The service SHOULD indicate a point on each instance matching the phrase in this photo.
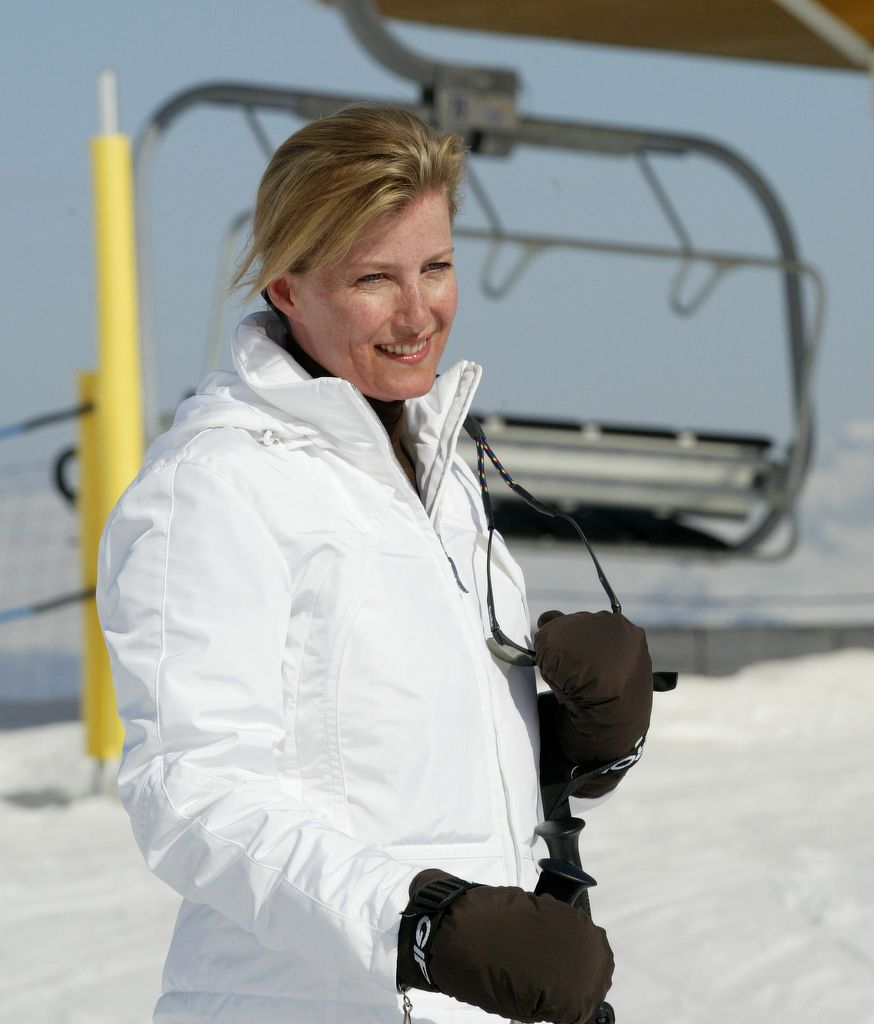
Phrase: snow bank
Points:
(734, 865)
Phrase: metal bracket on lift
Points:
(478, 103)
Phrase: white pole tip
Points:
(107, 101)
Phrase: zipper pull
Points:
(408, 1008)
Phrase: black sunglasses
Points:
(499, 643)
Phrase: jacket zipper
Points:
(396, 464)
(517, 864)
(517, 860)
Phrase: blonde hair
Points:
(328, 183)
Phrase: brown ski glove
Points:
(523, 957)
(598, 666)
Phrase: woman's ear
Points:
(280, 292)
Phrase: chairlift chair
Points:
(653, 488)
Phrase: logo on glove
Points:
(423, 933)
(628, 760)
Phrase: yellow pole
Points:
(117, 390)
(103, 730)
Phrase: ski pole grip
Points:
(562, 837)
(565, 882)
(563, 878)
(561, 874)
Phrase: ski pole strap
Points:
(619, 764)
(555, 768)
(560, 778)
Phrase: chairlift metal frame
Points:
(480, 103)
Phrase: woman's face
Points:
(380, 318)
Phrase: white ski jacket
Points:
(312, 715)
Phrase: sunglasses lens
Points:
(508, 654)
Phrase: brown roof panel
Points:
(858, 14)
(750, 29)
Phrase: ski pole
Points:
(562, 877)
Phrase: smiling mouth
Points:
(404, 350)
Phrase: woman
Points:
(322, 755)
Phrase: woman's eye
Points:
(437, 266)
(370, 278)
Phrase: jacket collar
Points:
(339, 411)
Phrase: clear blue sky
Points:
(581, 337)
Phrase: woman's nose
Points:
(412, 309)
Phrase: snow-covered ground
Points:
(734, 865)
